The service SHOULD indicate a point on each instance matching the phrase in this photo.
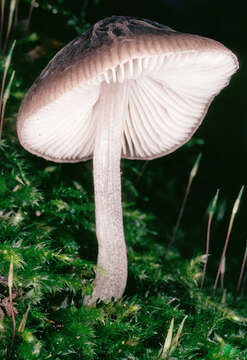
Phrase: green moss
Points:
(47, 225)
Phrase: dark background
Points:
(224, 130)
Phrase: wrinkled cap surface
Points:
(172, 78)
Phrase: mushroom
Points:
(129, 88)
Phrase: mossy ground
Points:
(47, 227)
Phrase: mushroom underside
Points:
(167, 99)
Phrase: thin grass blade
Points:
(234, 212)
(167, 345)
(12, 8)
(10, 286)
(241, 271)
(24, 320)
(193, 173)
(5, 99)
(176, 339)
(212, 208)
(2, 21)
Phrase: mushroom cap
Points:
(172, 78)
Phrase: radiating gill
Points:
(134, 67)
(120, 73)
(146, 62)
(107, 77)
(130, 66)
(130, 69)
(114, 75)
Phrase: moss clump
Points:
(47, 225)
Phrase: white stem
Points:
(111, 272)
